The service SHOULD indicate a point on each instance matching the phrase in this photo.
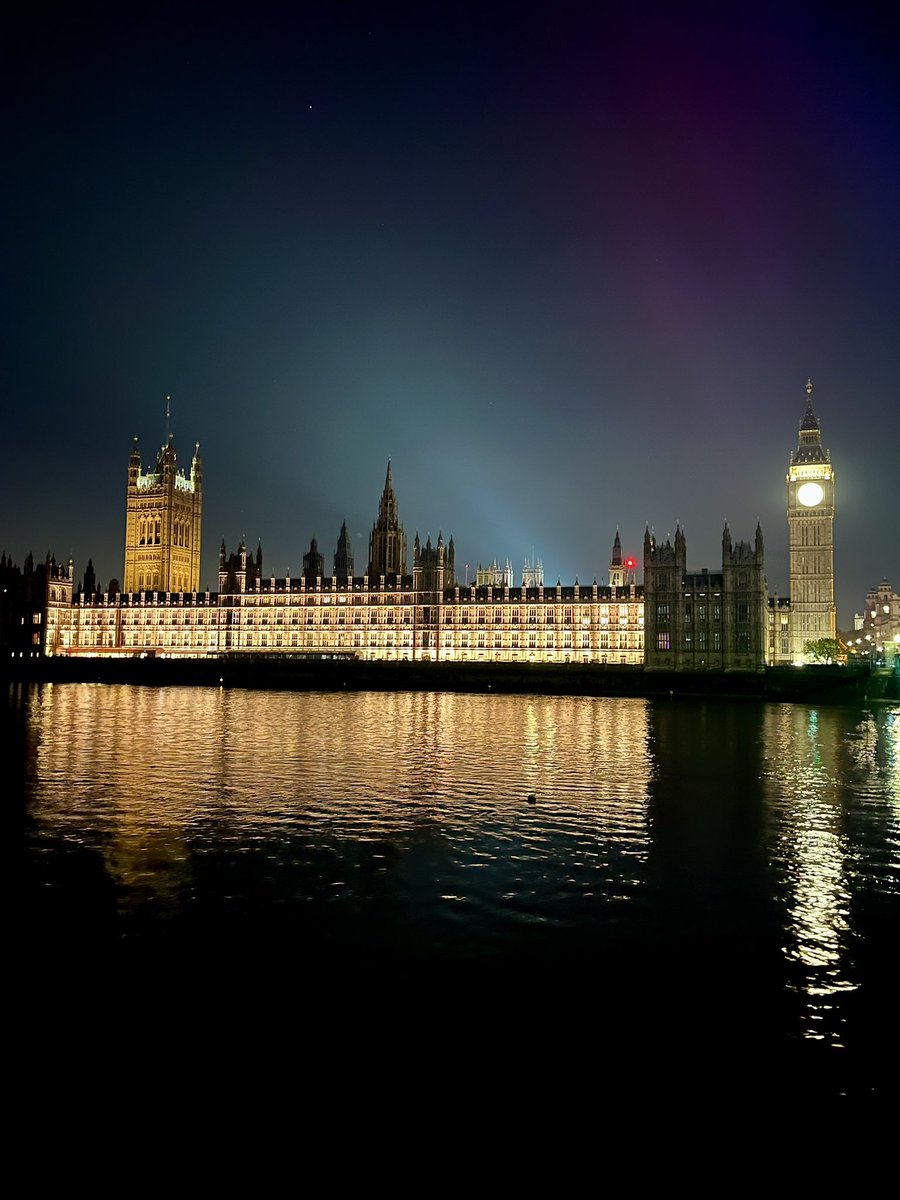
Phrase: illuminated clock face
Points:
(810, 494)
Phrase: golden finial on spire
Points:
(809, 387)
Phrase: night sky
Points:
(569, 267)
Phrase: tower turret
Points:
(343, 556)
(616, 568)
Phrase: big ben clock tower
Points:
(810, 514)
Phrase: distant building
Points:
(533, 573)
(494, 575)
(878, 625)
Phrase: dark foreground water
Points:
(627, 884)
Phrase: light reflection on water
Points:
(826, 777)
(735, 848)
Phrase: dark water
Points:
(616, 881)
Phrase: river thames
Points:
(715, 881)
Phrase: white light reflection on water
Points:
(828, 771)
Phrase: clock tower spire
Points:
(810, 514)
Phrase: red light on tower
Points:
(630, 563)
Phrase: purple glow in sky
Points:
(568, 266)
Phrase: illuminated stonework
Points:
(388, 621)
(717, 621)
(810, 514)
(162, 527)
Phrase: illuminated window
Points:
(662, 641)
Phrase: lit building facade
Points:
(385, 620)
(678, 620)
(164, 513)
(810, 516)
(877, 627)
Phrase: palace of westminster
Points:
(678, 619)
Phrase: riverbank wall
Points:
(814, 684)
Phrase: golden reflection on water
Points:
(150, 771)
(824, 769)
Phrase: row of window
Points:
(202, 637)
(698, 642)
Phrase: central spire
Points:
(387, 542)
(387, 508)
